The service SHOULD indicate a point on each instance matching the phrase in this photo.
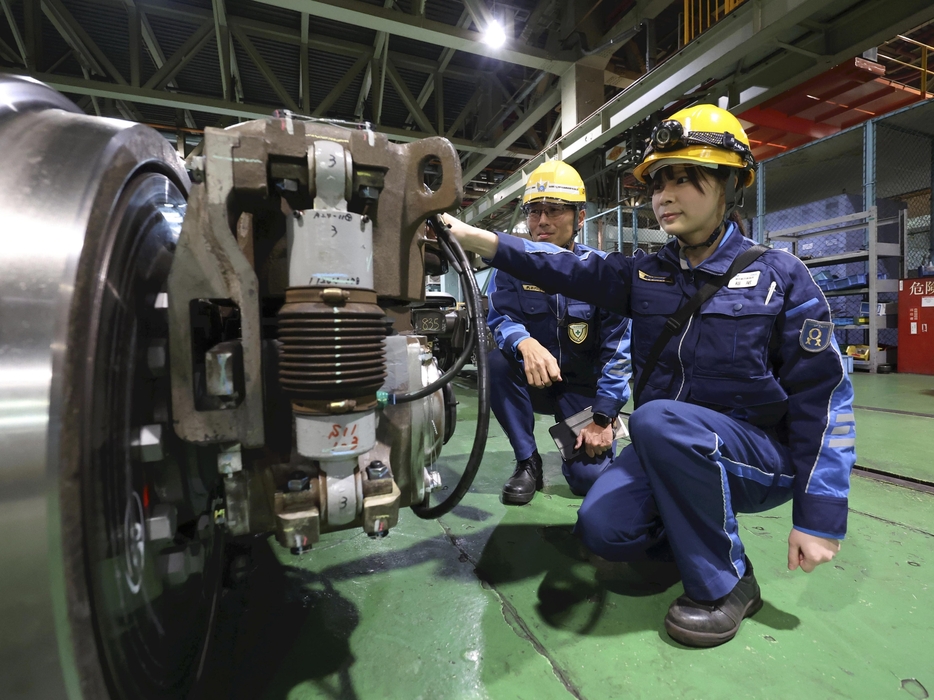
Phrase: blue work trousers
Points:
(680, 483)
(515, 404)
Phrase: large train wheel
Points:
(90, 211)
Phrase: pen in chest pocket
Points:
(768, 297)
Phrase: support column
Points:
(581, 95)
(869, 164)
(760, 203)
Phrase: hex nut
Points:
(377, 470)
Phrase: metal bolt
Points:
(298, 481)
(196, 169)
(156, 356)
(230, 459)
(377, 470)
(147, 445)
(161, 525)
(221, 365)
(432, 480)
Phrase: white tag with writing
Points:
(744, 279)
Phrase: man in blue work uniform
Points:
(556, 355)
(747, 406)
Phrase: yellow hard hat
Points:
(703, 135)
(557, 181)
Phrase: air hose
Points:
(477, 340)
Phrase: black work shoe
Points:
(524, 482)
(697, 623)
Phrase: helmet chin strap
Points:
(735, 198)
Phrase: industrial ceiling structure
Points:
(573, 79)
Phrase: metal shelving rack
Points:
(868, 221)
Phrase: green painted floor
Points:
(496, 602)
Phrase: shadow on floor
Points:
(267, 613)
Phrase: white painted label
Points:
(914, 328)
(927, 301)
(744, 280)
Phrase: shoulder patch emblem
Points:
(816, 335)
(646, 277)
(577, 332)
(532, 288)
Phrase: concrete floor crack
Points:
(513, 619)
(893, 522)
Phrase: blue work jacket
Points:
(591, 345)
(760, 350)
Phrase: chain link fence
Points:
(904, 145)
(624, 228)
(886, 163)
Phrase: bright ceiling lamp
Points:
(495, 35)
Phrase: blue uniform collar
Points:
(719, 262)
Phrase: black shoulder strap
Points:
(680, 317)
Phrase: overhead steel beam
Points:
(100, 89)
(479, 12)
(264, 68)
(342, 85)
(189, 13)
(545, 104)
(443, 61)
(7, 53)
(741, 33)
(868, 24)
(379, 44)
(465, 112)
(361, 14)
(222, 35)
(17, 37)
(304, 70)
(180, 58)
(79, 40)
(152, 46)
(408, 100)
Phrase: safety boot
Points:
(698, 623)
(524, 482)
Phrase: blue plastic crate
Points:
(850, 281)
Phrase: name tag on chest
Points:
(744, 279)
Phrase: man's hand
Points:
(595, 440)
(471, 238)
(541, 367)
(807, 551)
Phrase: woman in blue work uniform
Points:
(748, 405)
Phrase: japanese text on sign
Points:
(919, 288)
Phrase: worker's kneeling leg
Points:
(618, 519)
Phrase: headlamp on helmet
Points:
(667, 135)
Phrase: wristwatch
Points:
(602, 419)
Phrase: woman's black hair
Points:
(696, 174)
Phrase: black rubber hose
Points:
(479, 331)
(458, 260)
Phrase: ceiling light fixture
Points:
(495, 35)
